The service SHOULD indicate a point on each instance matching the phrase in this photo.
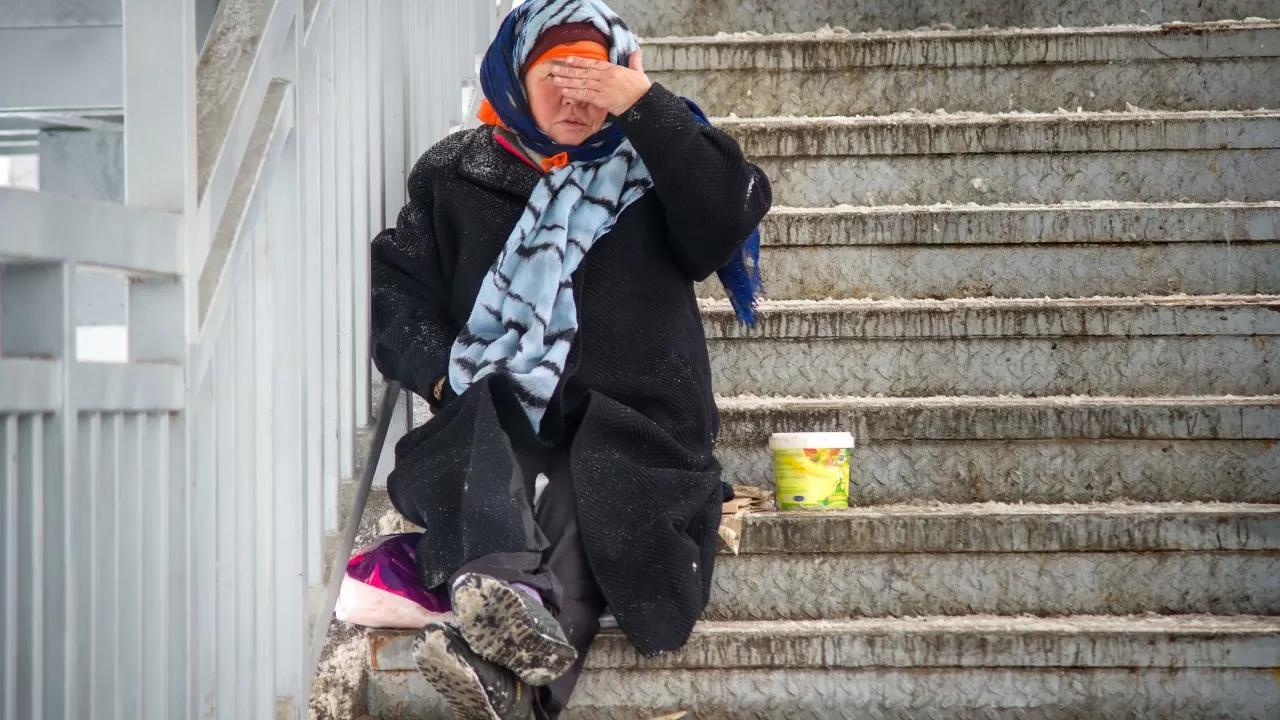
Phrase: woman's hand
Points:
(603, 84)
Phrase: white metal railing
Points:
(89, 462)
(167, 518)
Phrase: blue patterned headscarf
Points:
(504, 89)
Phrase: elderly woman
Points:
(538, 291)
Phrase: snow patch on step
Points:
(926, 508)
(828, 33)
(973, 117)
(708, 305)
(1073, 624)
(1072, 205)
(744, 403)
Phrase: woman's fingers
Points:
(564, 68)
(576, 82)
(612, 87)
(585, 63)
(566, 71)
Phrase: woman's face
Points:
(568, 122)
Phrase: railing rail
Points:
(170, 514)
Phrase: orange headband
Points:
(582, 48)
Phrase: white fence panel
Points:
(87, 469)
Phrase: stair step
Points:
(965, 641)
(1218, 66)
(994, 527)
(946, 666)
(935, 693)
(1094, 346)
(1187, 641)
(1046, 560)
(1017, 449)
(1020, 449)
(920, 159)
(1077, 250)
(660, 18)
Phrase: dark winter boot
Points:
(510, 627)
(474, 688)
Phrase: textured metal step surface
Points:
(1056, 449)
(883, 694)
(1219, 66)
(921, 348)
(1003, 559)
(922, 158)
(1003, 224)
(661, 18)
(817, 586)
(1171, 641)
(1005, 527)
(1112, 559)
(1078, 250)
(1073, 647)
(1015, 449)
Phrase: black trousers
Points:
(560, 572)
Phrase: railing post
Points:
(160, 150)
(159, 103)
(37, 457)
(395, 125)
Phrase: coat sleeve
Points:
(712, 196)
(412, 329)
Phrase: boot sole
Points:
(495, 623)
(451, 675)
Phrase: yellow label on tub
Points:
(812, 478)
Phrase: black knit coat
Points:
(635, 405)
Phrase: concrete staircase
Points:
(1036, 272)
